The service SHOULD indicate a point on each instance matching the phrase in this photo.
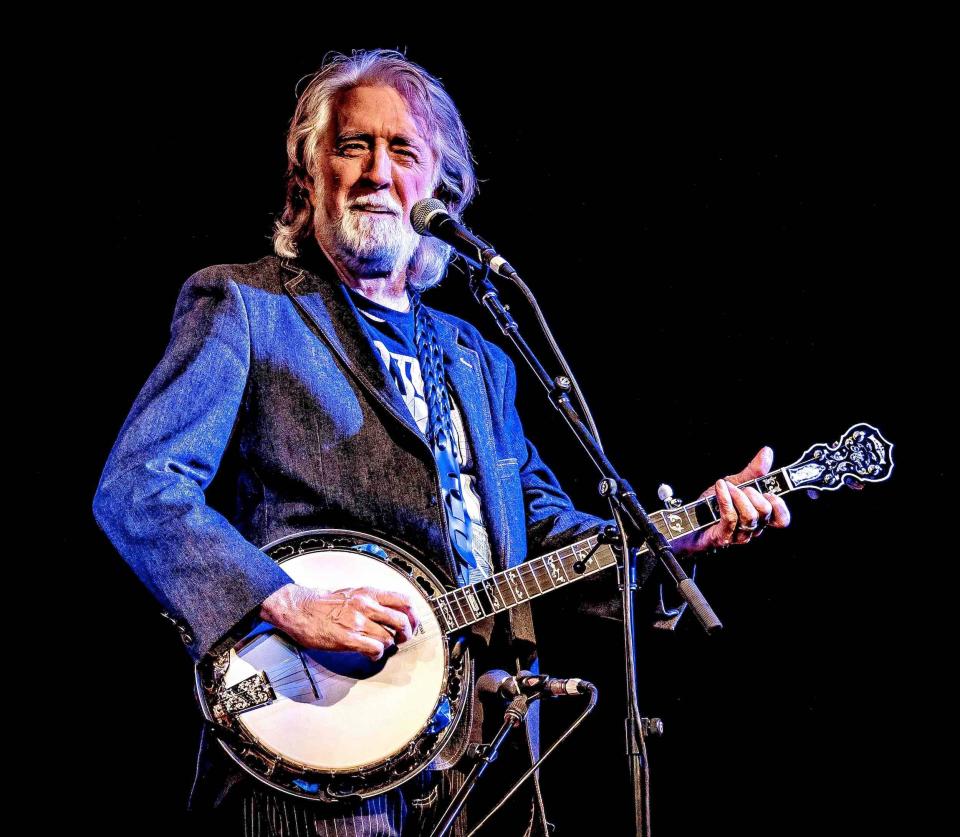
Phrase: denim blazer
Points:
(270, 359)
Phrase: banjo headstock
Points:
(862, 455)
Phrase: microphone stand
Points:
(632, 521)
(486, 754)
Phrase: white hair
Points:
(429, 103)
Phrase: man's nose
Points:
(379, 169)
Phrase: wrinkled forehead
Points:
(380, 111)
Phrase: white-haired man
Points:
(309, 366)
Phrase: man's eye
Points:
(351, 149)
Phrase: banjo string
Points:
(293, 671)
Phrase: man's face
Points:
(372, 167)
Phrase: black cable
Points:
(536, 765)
(574, 385)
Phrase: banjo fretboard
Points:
(508, 588)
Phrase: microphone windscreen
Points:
(422, 211)
(490, 682)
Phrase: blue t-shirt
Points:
(391, 333)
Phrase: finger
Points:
(395, 620)
(728, 514)
(780, 518)
(747, 515)
(375, 631)
(398, 601)
(367, 646)
(761, 504)
(760, 465)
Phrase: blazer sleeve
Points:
(150, 501)
(553, 521)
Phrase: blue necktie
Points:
(440, 433)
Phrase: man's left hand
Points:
(744, 513)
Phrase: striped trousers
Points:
(252, 810)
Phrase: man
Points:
(320, 371)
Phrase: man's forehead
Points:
(380, 111)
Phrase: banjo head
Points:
(336, 725)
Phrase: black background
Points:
(721, 243)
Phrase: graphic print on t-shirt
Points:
(404, 370)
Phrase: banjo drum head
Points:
(340, 711)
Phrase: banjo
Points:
(336, 726)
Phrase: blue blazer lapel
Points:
(325, 302)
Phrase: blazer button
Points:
(434, 499)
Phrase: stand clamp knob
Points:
(651, 726)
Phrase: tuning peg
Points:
(813, 494)
(853, 482)
(665, 493)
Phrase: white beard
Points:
(369, 242)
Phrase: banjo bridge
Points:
(249, 693)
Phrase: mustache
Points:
(381, 203)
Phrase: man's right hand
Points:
(360, 619)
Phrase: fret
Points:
(519, 570)
(529, 567)
(674, 524)
(690, 520)
(470, 594)
(541, 572)
(480, 591)
(515, 583)
(447, 613)
(456, 604)
(774, 483)
(702, 513)
(606, 553)
(493, 593)
(589, 548)
(503, 585)
(567, 561)
(558, 574)
(659, 523)
(497, 602)
(714, 506)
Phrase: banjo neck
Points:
(536, 577)
(861, 455)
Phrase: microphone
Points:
(498, 682)
(430, 217)
(555, 686)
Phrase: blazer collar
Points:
(316, 289)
